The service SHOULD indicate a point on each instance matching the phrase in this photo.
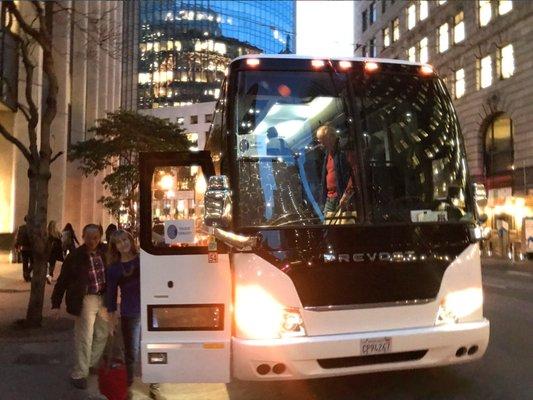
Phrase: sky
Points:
(324, 28)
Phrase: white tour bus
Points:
(330, 228)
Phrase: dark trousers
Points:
(131, 334)
(51, 267)
(27, 261)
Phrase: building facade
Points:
(185, 46)
(482, 49)
(89, 75)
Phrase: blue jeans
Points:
(131, 334)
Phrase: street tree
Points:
(114, 150)
(30, 24)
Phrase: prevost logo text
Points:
(397, 256)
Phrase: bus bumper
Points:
(335, 355)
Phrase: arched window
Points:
(499, 155)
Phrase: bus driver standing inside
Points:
(337, 173)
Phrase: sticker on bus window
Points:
(179, 231)
(428, 216)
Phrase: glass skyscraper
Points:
(185, 46)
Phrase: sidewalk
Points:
(506, 264)
(36, 363)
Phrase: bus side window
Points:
(178, 206)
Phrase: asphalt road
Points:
(505, 372)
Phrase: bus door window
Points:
(178, 206)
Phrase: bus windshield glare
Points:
(319, 147)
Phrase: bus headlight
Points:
(459, 304)
(259, 316)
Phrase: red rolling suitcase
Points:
(112, 375)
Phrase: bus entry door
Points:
(185, 279)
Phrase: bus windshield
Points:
(315, 148)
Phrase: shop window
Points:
(444, 36)
(499, 156)
(506, 62)
(459, 28)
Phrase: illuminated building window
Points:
(441, 2)
(485, 12)
(484, 67)
(411, 54)
(142, 47)
(424, 56)
(177, 45)
(386, 37)
(459, 83)
(395, 29)
(444, 36)
(504, 6)
(156, 47)
(459, 28)
(411, 16)
(499, 154)
(424, 10)
(506, 62)
(180, 120)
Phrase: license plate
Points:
(376, 346)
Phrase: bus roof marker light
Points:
(252, 62)
(318, 63)
(345, 64)
(371, 66)
(426, 70)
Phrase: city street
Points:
(34, 365)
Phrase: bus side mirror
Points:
(217, 202)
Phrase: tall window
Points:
(459, 83)
(424, 56)
(485, 12)
(372, 13)
(504, 6)
(459, 28)
(424, 10)
(395, 30)
(386, 37)
(411, 16)
(499, 155)
(363, 20)
(372, 48)
(444, 36)
(506, 62)
(485, 72)
(383, 6)
(411, 54)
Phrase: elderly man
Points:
(83, 279)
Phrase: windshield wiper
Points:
(298, 220)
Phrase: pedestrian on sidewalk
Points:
(83, 279)
(23, 244)
(68, 239)
(56, 250)
(124, 273)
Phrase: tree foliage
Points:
(114, 149)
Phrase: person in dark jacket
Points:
(82, 278)
(56, 251)
(23, 245)
(68, 239)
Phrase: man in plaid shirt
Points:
(83, 279)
